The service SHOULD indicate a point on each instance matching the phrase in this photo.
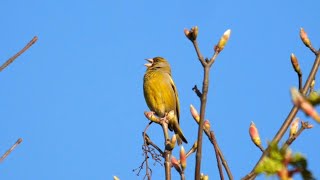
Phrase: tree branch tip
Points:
(19, 141)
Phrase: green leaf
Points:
(269, 166)
(307, 175)
(314, 98)
(299, 162)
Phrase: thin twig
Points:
(149, 142)
(304, 125)
(11, 149)
(182, 176)
(215, 147)
(300, 82)
(10, 60)
(192, 150)
(203, 100)
(313, 50)
(200, 57)
(223, 160)
(225, 164)
(260, 147)
(197, 91)
(290, 116)
(145, 138)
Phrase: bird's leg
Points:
(164, 120)
(164, 123)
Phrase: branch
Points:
(206, 64)
(167, 153)
(145, 138)
(304, 125)
(203, 99)
(149, 142)
(10, 60)
(197, 91)
(213, 140)
(11, 149)
(216, 149)
(290, 116)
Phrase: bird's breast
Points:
(159, 94)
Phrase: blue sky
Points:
(76, 96)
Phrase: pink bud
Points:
(150, 115)
(307, 108)
(254, 134)
(194, 113)
(175, 163)
(295, 64)
(304, 105)
(183, 158)
(206, 125)
(296, 97)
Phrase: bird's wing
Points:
(177, 98)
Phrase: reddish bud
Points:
(187, 33)
(304, 37)
(206, 125)
(284, 174)
(183, 158)
(175, 163)
(150, 115)
(295, 64)
(254, 134)
(304, 105)
(194, 113)
(307, 108)
(296, 97)
(194, 31)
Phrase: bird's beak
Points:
(150, 62)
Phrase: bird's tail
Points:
(179, 134)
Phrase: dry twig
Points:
(10, 60)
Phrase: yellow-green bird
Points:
(161, 94)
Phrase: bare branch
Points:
(290, 116)
(10, 60)
(11, 149)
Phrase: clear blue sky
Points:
(76, 96)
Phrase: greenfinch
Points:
(161, 93)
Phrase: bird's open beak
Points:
(150, 62)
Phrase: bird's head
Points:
(158, 63)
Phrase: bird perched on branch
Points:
(161, 93)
